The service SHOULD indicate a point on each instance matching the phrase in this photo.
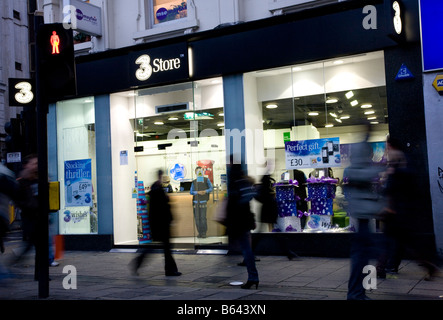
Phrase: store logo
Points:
(145, 70)
(25, 94)
(397, 17)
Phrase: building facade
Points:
(183, 85)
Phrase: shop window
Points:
(175, 128)
(331, 102)
(76, 166)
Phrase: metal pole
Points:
(42, 243)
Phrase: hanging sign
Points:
(78, 183)
(314, 153)
(21, 92)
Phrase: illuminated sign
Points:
(397, 17)
(432, 46)
(21, 92)
(145, 70)
(55, 42)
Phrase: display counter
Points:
(182, 211)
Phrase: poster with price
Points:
(78, 183)
(314, 153)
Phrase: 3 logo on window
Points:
(145, 70)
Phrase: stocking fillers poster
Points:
(78, 183)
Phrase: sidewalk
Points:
(207, 276)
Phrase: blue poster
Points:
(78, 183)
(314, 153)
(431, 12)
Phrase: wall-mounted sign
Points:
(438, 83)
(21, 92)
(159, 65)
(404, 73)
(431, 12)
(314, 153)
(83, 17)
(398, 26)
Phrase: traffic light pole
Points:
(42, 241)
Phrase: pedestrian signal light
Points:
(55, 42)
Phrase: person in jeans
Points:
(200, 189)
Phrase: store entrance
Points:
(179, 129)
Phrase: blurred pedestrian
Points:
(8, 193)
(401, 210)
(160, 218)
(364, 204)
(201, 187)
(27, 201)
(240, 219)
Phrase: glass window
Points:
(169, 10)
(178, 129)
(76, 166)
(332, 100)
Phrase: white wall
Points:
(125, 207)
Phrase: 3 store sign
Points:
(145, 70)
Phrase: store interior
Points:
(177, 127)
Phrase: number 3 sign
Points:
(21, 92)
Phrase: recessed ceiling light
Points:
(271, 106)
(172, 118)
(313, 113)
(329, 125)
(338, 120)
(333, 114)
(331, 100)
(159, 123)
(370, 112)
(221, 124)
(354, 103)
(344, 117)
(296, 69)
(374, 122)
(365, 106)
(221, 114)
(372, 118)
(338, 61)
(349, 94)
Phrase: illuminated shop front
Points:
(188, 103)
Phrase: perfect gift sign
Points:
(314, 153)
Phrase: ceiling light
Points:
(370, 112)
(365, 106)
(344, 117)
(372, 118)
(333, 114)
(331, 100)
(221, 114)
(338, 61)
(313, 113)
(329, 125)
(159, 123)
(349, 94)
(374, 122)
(271, 106)
(221, 124)
(354, 103)
(338, 120)
(296, 69)
(173, 118)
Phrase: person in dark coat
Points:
(240, 219)
(160, 218)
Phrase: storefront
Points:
(186, 104)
